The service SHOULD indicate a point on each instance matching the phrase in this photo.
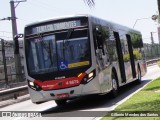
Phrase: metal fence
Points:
(11, 81)
(152, 51)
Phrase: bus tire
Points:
(60, 102)
(38, 103)
(115, 87)
(139, 78)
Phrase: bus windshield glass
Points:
(56, 52)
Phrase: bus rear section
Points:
(59, 61)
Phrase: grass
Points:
(145, 101)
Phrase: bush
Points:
(137, 54)
(126, 57)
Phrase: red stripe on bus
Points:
(60, 83)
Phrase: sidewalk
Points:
(13, 101)
(9, 100)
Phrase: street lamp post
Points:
(140, 19)
(154, 17)
(152, 39)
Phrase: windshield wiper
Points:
(66, 41)
(42, 41)
(46, 47)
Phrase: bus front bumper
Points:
(67, 93)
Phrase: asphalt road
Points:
(86, 108)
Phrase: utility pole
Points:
(152, 44)
(152, 40)
(14, 32)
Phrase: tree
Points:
(90, 3)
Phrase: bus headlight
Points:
(31, 83)
(90, 74)
(34, 86)
(88, 77)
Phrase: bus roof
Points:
(81, 15)
(58, 18)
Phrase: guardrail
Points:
(149, 62)
(13, 92)
(18, 91)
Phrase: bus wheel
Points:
(139, 78)
(114, 92)
(38, 103)
(60, 102)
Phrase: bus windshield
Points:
(54, 52)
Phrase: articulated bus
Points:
(74, 56)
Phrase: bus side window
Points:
(137, 44)
(101, 35)
(136, 40)
(99, 39)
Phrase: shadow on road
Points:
(93, 105)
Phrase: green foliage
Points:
(136, 40)
(126, 57)
(137, 54)
(104, 31)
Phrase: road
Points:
(86, 108)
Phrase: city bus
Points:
(74, 56)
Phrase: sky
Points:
(124, 12)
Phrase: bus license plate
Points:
(63, 95)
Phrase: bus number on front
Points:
(72, 82)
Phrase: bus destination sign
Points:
(56, 26)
